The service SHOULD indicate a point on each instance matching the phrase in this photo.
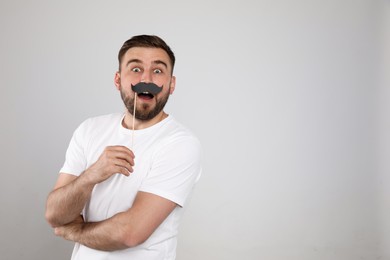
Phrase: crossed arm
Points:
(123, 230)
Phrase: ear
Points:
(172, 85)
(117, 80)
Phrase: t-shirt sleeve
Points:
(175, 169)
(75, 160)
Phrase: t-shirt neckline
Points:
(127, 131)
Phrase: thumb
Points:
(58, 231)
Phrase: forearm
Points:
(108, 235)
(123, 230)
(66, 203)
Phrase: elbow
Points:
(133, 238)
(50, 216)
(50, 219)
(129, 243)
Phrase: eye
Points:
(136, 70)
(157, 71)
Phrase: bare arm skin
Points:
(65, 202)
(123, 230)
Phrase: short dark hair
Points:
(149, 41)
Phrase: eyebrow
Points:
(133, 61)
(160, 62)
(154, 62)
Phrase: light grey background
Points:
(289, 98)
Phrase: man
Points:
(127, 177)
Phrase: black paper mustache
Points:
(146, 87)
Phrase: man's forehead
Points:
(146, 55)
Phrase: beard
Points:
(144, 111)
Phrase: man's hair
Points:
(148, 41)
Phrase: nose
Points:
(146, 77)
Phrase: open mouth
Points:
(145, 95)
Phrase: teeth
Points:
(146, 93)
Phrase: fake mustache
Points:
(143, 87)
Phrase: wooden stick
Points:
(132, 134)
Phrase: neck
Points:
(141, 124)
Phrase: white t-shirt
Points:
(167, 163)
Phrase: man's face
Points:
(141, 64)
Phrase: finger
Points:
(123, 163)
(122, 170)
(123, 156)
(58, 231)
(122, 149)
